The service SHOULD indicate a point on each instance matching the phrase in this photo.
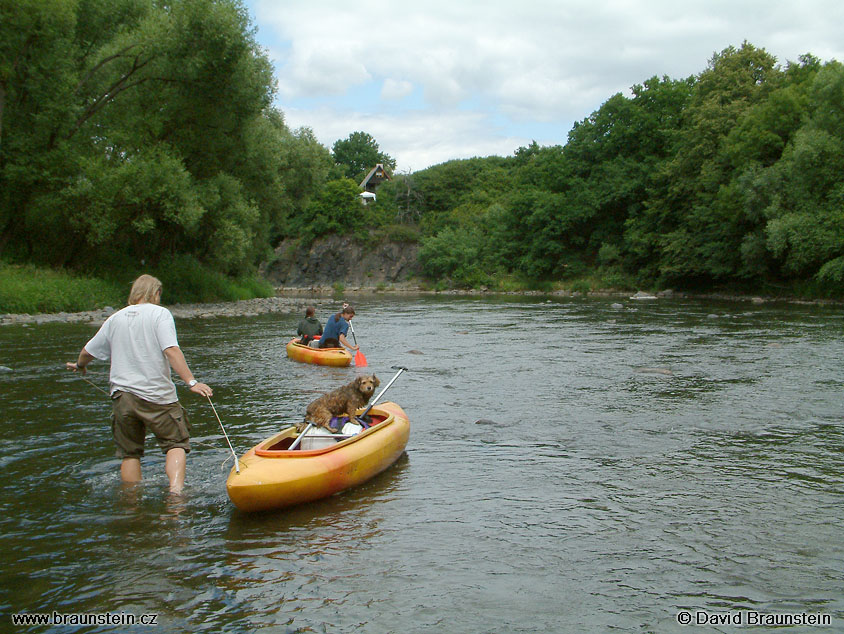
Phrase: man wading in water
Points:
(141, 342)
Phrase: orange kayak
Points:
(272, 476)
(320, 356)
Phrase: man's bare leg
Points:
(130, 470)
(175, 469)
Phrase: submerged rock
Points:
(643, 295)
(662, 371)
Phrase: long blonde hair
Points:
(144, 290)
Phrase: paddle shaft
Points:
(360, 359)
(386, 387)
(299, 439)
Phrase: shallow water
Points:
(572, 467)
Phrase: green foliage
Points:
(31, 289)
(358, 154)
(581, 286)
(134, 131)
(337, 209)
(398, 233)
(730, 177)
(186, 280)
(137, 135)
(444, 187)
(804, 193)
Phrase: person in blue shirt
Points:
(336, 327)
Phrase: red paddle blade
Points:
(360, 360)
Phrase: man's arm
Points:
(179, 364)
(84, 359)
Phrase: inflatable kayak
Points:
(320, 356)
(273, 476)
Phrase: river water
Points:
(574, 465)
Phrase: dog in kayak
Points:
(344, 401)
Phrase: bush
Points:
(581, 286)
(399, 233)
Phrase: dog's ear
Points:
(358, 381)
(376, 380)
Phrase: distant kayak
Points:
(272, 476)
(320, 356)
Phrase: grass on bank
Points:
(31, 290)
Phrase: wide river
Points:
(574, 465)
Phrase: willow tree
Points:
(133, 131)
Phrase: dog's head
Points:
(366, 384)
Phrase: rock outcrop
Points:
(340, 259)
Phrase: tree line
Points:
(731, 177)
(139, 135)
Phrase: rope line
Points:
(236, 463)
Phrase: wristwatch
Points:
(192, 382)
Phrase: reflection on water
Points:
(572, 466)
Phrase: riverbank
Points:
(296, 299)
(243, 308)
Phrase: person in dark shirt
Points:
(309, 327)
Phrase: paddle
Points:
(360, 360)
(360, 418)
(299, 439)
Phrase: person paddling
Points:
(336, 327)
(140, 340)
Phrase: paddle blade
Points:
(360, 360)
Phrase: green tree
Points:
(336, 210)
(696, 235)
(37, 82)
(805, 228)
(358, 154)
(134, 130)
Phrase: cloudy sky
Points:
(434, 80)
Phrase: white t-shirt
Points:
(135, 339)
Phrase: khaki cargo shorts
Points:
(132, 416)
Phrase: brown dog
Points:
(343, 401)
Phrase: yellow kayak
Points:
(272, 476)
(320, 356)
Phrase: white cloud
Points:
(527, 63)
(415, 140)
(396, 88)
